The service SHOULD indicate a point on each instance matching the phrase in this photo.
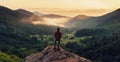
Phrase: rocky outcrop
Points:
(50, 55)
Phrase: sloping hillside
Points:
(27, 16)
(111, 19)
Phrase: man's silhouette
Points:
(57, 36)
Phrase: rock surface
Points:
(50, 55)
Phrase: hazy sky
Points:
(65, 7)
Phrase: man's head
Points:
(58, 29)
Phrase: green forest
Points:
(18, 40)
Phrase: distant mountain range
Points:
(81, 17)
(111, 19)
(54, 16)
(25, 16)
(107, 20)
(50, 15)
(22, 18)
(33, 17)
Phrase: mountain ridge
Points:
(82, 17)
(8, 14)
(54, 16)
(106, 20)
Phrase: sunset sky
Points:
(65, 7)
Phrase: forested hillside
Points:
(22, 38)
(98, 38)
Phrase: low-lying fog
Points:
(52, 21)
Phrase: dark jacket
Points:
(58, 35)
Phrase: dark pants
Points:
(57, 43)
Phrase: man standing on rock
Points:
(57, 36)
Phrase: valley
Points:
(96, 38)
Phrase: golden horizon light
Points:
(65, 7)
(70, 8)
